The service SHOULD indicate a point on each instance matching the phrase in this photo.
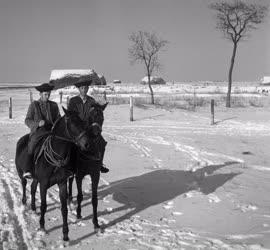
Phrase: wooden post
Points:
(31, 96)
(105, 96)
(131, 108)
(61, 96)
(212, 112)
(10, 108)
(67, 100)
(194, 99)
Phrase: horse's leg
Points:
(33, 194)
(43, 193)
(24, 182)
(63, 198)
(79, 196)
(70, 182)
(95, 180)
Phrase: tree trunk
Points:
(151, 90)
(228, 100)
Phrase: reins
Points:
(50, 155)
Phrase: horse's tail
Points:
(21, 144)
(20, 147)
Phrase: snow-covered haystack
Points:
(116, 81)
(265, 80)
(63, 78)
(153, 80)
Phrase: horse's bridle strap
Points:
(74, 140)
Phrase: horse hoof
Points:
(65, 238)
(24, 201)
(96, 225)
(98, 230)
(79, 216)
(41, 232)
(33, 208)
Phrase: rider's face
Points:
(44, 96)
(83, 90)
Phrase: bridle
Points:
(50, 155)
(72, 138)
(95, 122)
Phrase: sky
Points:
(38, 36)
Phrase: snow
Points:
(60, 73)
(175, 182)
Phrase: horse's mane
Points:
(70, 114)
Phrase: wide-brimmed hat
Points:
(83, 81)
(45, 87)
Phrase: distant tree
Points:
(145, 48)
(236, 19)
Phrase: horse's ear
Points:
(69, 113)
(104, 106)
(65, 111)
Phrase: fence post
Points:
(131, 108)
(61, 96)
(10, 107)
(194, 99)
(67, 100)
(105, 96)
(212, 112)
(31, 96)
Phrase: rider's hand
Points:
(41, 123)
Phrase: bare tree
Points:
(236, 19)
(145, 48)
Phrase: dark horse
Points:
(52, 162)
(86, 165)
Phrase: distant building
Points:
(153, 80)
(116, 81)
(265, 80)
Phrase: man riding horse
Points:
(41, 116)
(83, 104)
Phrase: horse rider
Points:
(40, 117)
(82, 104)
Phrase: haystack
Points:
(66, 77)
(153, 80)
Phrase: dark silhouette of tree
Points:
(236, 19)
(145, 48)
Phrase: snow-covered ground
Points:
(175, 182)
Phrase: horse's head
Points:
(75, 129)
(96, 117)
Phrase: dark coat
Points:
(34, 115)
(83, 109)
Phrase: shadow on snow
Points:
(156, 187)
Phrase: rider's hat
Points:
(45, 87)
